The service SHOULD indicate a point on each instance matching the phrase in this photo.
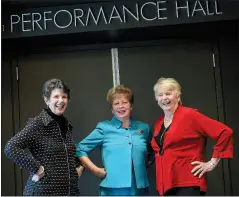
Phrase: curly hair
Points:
(52, 84)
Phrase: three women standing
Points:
(178, 141)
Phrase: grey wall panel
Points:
(7, 130)
(229, 61)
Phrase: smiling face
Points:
(121, 107)
(168, 99)
(57, 102)
(167, 93)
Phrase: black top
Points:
(160, 137)
(61, 121)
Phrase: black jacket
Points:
(42, 136)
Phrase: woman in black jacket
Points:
(52, 165)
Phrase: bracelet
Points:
(211, 164)
(35, 178)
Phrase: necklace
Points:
(168, 121)
(161, 152)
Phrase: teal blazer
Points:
(122, 149)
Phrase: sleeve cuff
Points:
(228, 154)
(81, 154)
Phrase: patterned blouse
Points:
(42, 136)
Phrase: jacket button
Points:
(130, 143)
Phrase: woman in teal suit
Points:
(125, 148)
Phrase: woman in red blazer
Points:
(179, 143)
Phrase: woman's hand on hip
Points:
(80, 170)
(40, 173)
(201, 168)
(100, 172)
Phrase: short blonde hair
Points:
(120, 89)
(169, 84)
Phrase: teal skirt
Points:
(126, 191)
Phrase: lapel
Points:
(47, 119)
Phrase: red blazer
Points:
(184, 142)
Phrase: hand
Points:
(201, 168)
(100, 172)
(80, 170)
(40, 173)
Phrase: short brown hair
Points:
(52, 84)
(120, 89)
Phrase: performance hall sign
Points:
(114, 15)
